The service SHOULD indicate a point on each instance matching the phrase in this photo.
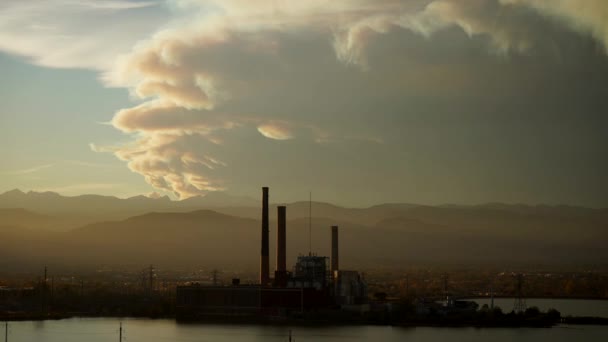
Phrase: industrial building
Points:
(314, 283)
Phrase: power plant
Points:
(314, 282)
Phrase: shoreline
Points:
(535, 297)
(436, 322)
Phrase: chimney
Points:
(264, 262)
(335, 264)
(281, 240)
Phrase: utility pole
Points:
(151, 278)
(310, 223)
(120, 333)
(214, 276)
(492, 295)
(45, 291)
(52, 297)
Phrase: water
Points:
(567, 307)
(145, 330)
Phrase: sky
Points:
(359, 102)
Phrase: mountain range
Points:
(222, 231)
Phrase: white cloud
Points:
(276, 130)
(218, 65)
(113, 4)
(74, 33)
(227, 51)
(154, 195)
(90, 164)
(29, 170)
(173, 162)
(97, 148)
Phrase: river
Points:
(148, 330)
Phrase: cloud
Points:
(158, 116)
(101, 149)
(171, 162)
(29, 170)
(276, 130)
(75, 33)
(285, 70)
(90, 164)
(114, 4)
(587, 17)
(154, 195)
(509, 25)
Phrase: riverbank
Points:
(511, 320)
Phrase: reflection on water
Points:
(146, 330)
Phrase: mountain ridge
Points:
(211, 238)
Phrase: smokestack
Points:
(264, 261)
(280, 275)
(335, 259)
(281, 244)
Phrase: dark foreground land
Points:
(402, 313)
(540, 320)
(394, 295)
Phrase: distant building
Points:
(311, 271)
(349, 288)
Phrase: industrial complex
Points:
(313, 283)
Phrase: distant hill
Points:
(207, 238)
(76, 211)
(221, 230)
(38, 222)
(20, 216)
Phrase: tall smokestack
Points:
(335, 258)
(280, 275)
(264, 262)
(281, 240)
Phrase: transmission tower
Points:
(446, 292)
(214, 277)
(146, 278)
(151, 279)
(520, 300)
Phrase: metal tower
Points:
(520, 300)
